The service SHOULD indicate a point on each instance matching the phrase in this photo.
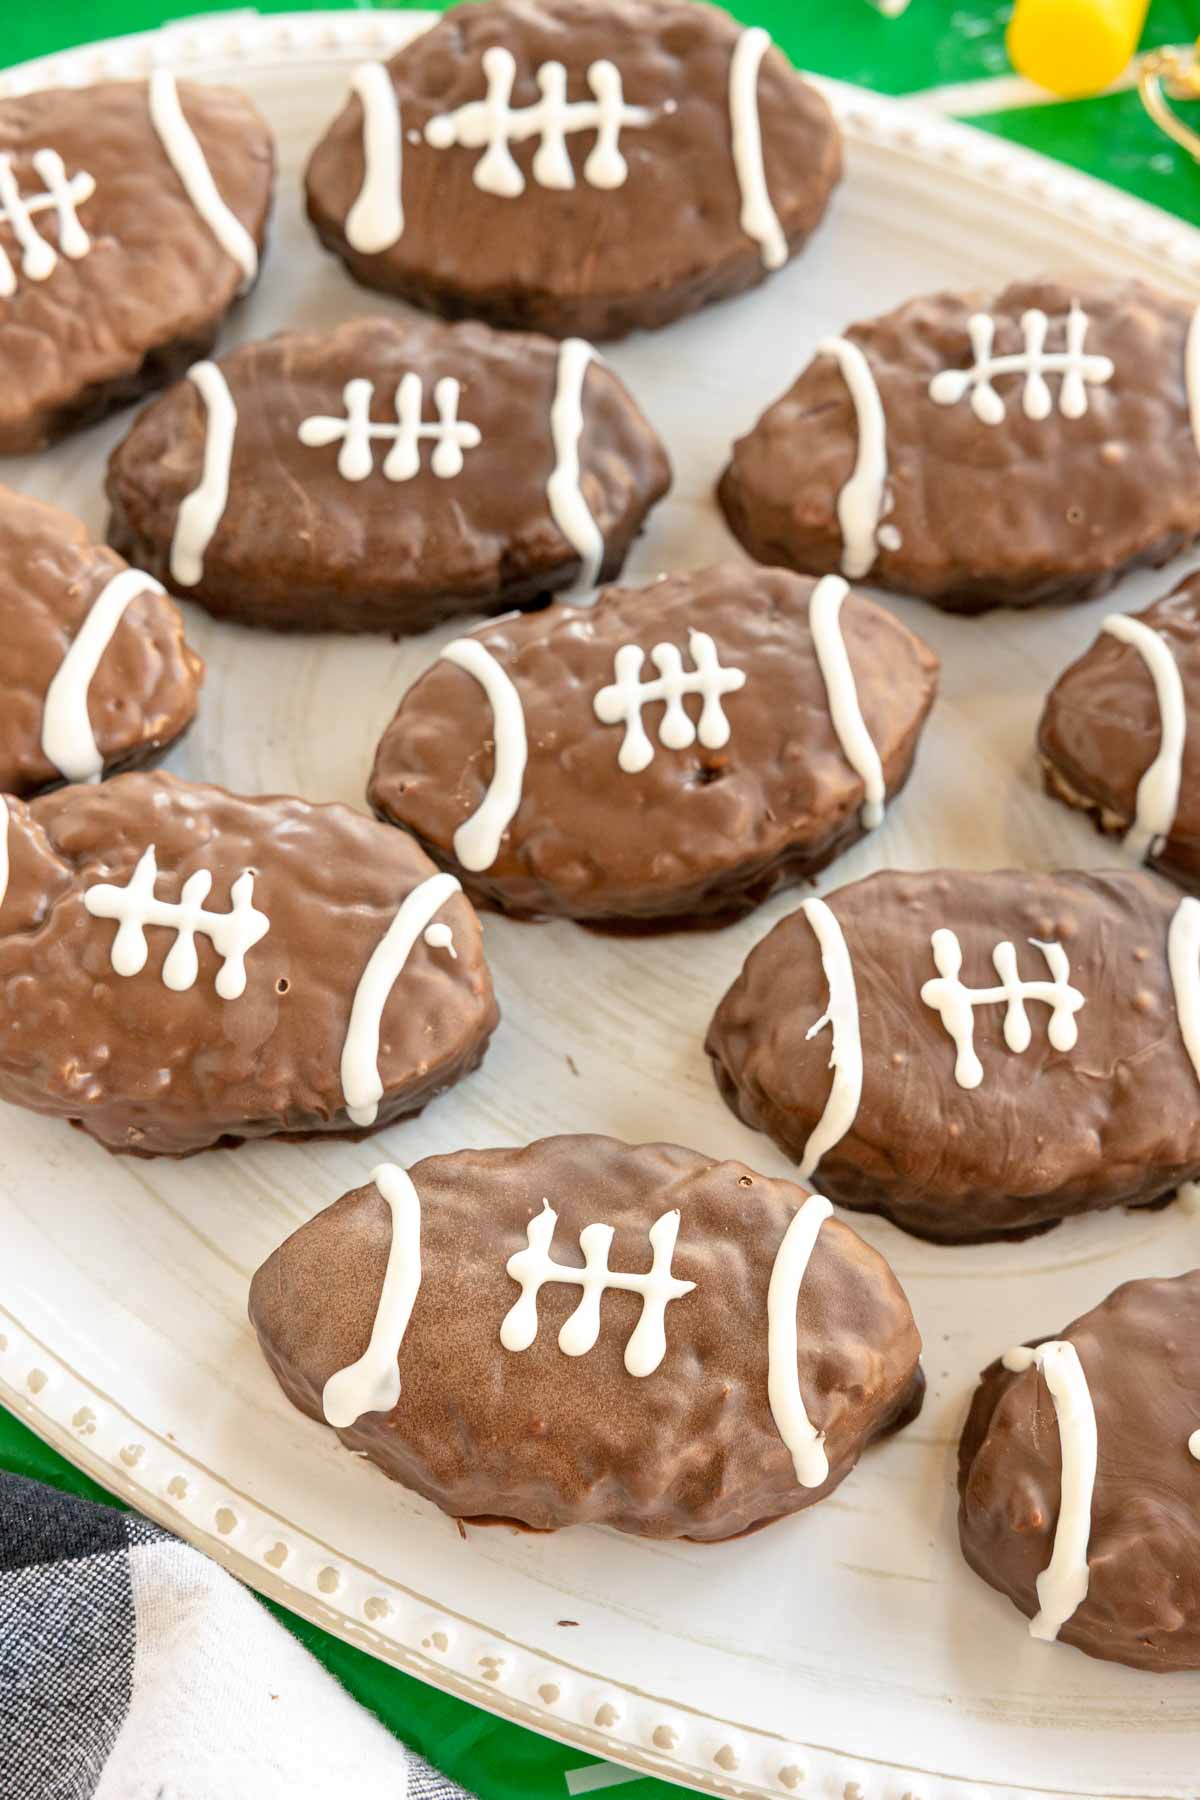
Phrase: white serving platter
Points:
(848, 1653)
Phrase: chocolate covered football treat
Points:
(975, 1056)
(95, 673)
(385, 476)
(984, 449)
(180, 967)
(583, 1332)
(1079, 1479)
(675, 753)
(1120, 735)
(574, 165)
(132, 215)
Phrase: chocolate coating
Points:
(300, 546)
(545, 1439)
(144, 692)
(598, 261)
(149, 296)
(145, 1068)
(975, 514)
(1114, 1121)
(699, 834)
(1138, 1353)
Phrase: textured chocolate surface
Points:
(689, 1450)
(594, 260)
(1102, 729)
(145, 688)
(1138, 1353)
(1114, 1120)
(143, 1067)
(977, 514)
(149, 295)
(299, 545)
(698, 833)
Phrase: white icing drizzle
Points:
(1063, 1584)
(68, 740)
(533, 1267)
(201, 511)
(1183, 960)
(824, 620)
(621, 703)
(1194, 1445)
(956, 1003)
(376, 220)
(440, 937)
(5, 822)
(845, 1057)
(1191, 375)
(805, 1442)
(564, 490)
(232, 934)
(1158, 790)
(182, 148)
(450, 435)
(362, 1085)
(39, 259)
(477, 840)
(759, 219)
(860, 503)
(372, 1384)
(1035, 362)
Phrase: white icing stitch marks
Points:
(232, 934)
(450, 435)
(492, 124)
(956, 1003)
(533, 1267)
(621, 703)
(63, 197)
(1076, 368)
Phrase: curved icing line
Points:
(183, 152)
(201, 511)
(372, 1384)
(477, 840)
(824, 619)
(1158, 790)
(1063, 1584)
(805, 1442)
(845, 1058)
(68, 740)
(759, 219)
(860, 503)
(564, 490)
(376, 220)
(362, 1085)
(4, 859)
(1183, 960)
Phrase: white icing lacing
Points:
(201, 511)
(477, 840)
(956, 1003)
(232, 934)
(5, 824)
(372, 1384)
(621, 703)
(845, 1057)
(39, 259)
(1183, 960)
(759, 219)
(440, 937)
(450, 435)
(860, 502)
(1194, 1445)
(805, 1442)
(824, 621)
(1158, 789)
(183, 152)
(68, 740)
(362, 1085)
(376, 220)
(564, 490)
(1035, 362)
(533, 1267)
(1062, 1586)
(493, 122)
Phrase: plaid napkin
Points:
(133, 1668)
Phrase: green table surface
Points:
(935, 43)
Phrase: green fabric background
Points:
(935, 42)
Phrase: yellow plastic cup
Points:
(1074, 47)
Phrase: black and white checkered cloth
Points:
(133, 1668)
